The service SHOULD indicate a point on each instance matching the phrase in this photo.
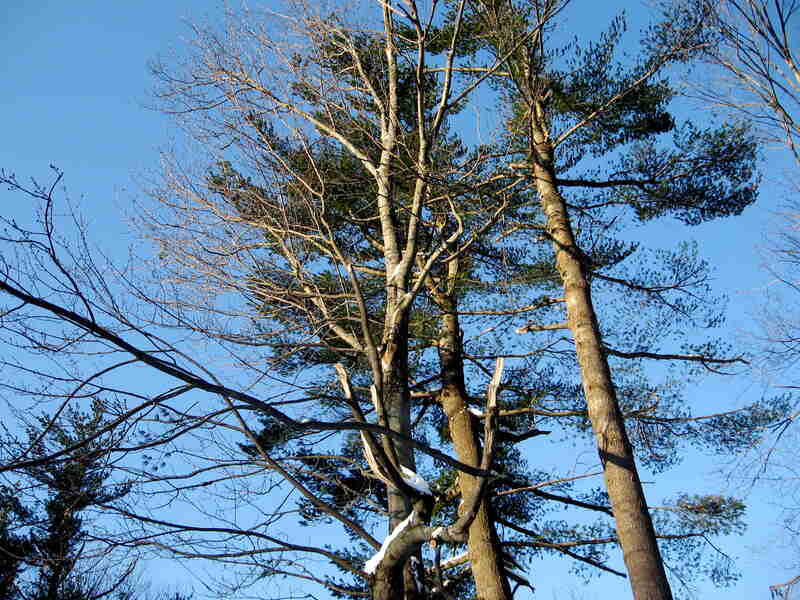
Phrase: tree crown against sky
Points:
(335, 226)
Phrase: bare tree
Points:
(385, 573)
(756, 77)
(348, 274)
(758, 74)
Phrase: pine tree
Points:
(45, 538)
(15, 546)
(601, 109)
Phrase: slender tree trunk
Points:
(483, 543)
(634, 524)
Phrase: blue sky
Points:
(76, 82)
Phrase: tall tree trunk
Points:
(398, 415)
(633, 522)
(402, 584)
(483, 543)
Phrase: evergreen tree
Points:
(605, 110)
(43, 541)
(14, 545)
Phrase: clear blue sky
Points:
(76, 83)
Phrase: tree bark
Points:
(483, 543)
(633, 522)
(397, 399)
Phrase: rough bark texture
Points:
(633, 522)
(398, 415)
(388, 585)
(483, 544)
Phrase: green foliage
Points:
(707, 175)
(697, 517)
(45, 538)
(592, 79)
(14, 546)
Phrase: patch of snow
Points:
(454, 560)
(415, 567)
(507, 430)
(395, 272)
(415, 481)
(478, 413)
(373, 392)
(372, 564)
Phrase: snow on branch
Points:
(454, 561)
(372, 564)
(415, 481)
